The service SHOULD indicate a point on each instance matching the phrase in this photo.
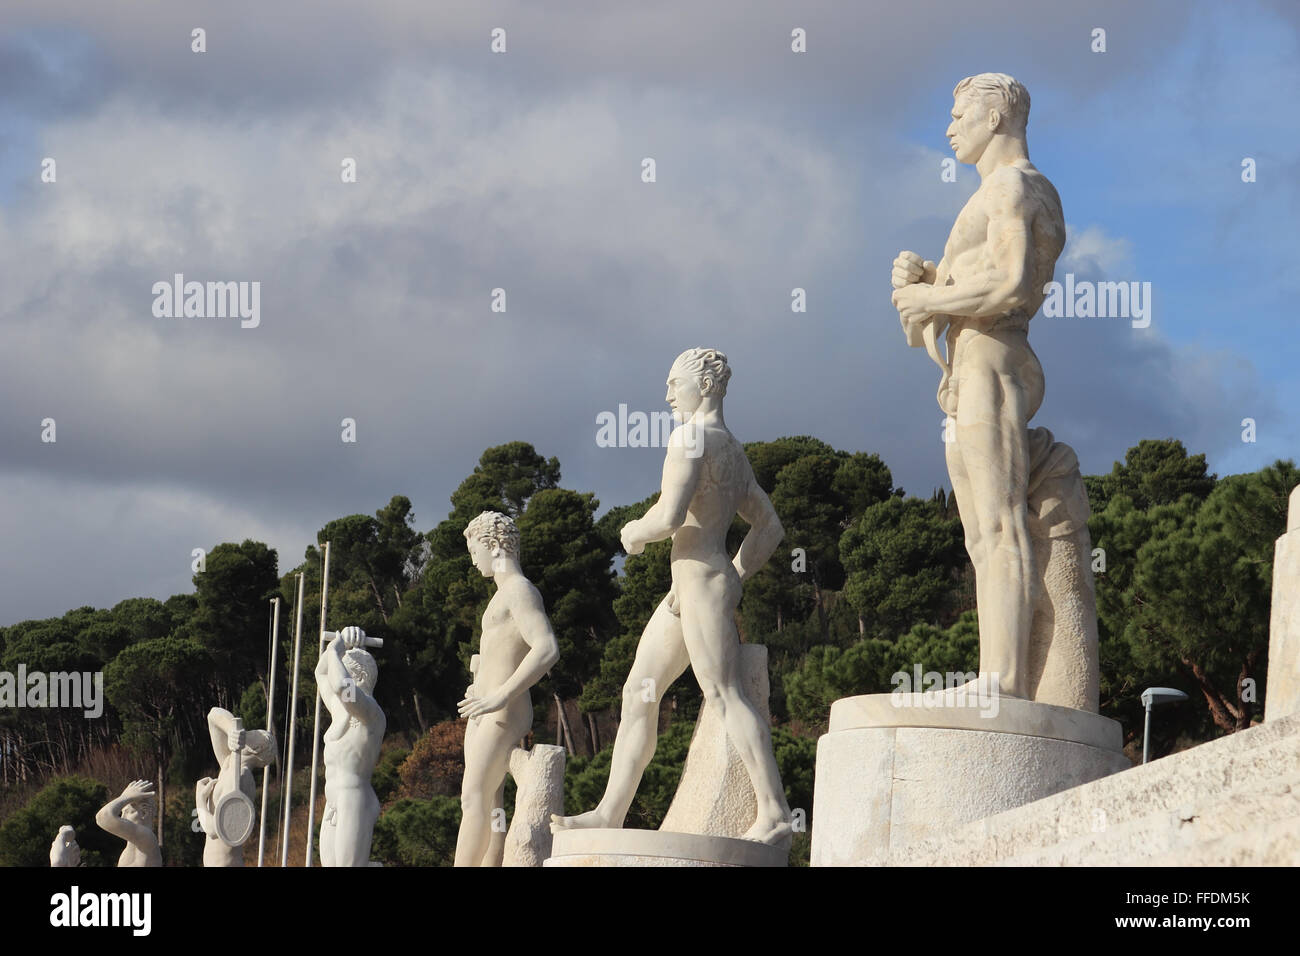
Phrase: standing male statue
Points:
(346, 675)
(516, 650)
(256, 748)
(130, 817)
(707, 481)
(1014, 487)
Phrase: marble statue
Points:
(346, 675)
(130, 817)
(539, 778)
(64, 850)
(707, 481)
(238, 753)
(516, 650)
(1022, 502)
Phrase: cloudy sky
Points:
(522, 171)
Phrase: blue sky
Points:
(522, 171)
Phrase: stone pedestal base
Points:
(658, 848)
(896, 769)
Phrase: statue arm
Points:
(529, 616)
(203, 791)
(330, 672)
(681, 475)
(220, 723)
(765, 531)
(109, 819)
(1003, 285)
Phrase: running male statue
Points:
(707, 481)
(516, 650)
(1017, 490)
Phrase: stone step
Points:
(1235, 797)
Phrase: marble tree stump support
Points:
(539, 776)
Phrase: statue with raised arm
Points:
(130, 817)
(346, 675)
(1022, 503)
(707, 481)
(64, 851)
(255, 749)
(516, 650)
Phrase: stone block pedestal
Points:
(658, 848)
(895, 769)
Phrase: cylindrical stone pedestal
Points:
(658, 848)
(897, 768)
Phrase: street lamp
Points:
(1154, 697)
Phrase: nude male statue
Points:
(707, 480)
(130, 817)
(990, 282)
(346, 675)
(256, 749)
(64, 851)
(516, 650)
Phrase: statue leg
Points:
(496, 850)
(708, 604)
(660, 659)
(355, 813)
(328, 831)
(1000, 389)
(488, 742)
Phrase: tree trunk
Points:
(564, 725)
(1225, 714)
(162, 802)
(595, 734)
(419, 714)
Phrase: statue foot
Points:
(769, 831)
(591, 820)
(985, 685)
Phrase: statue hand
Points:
(908, 269)
(138, 789)
(352, 637)
(473, 706)
(631, 543)
(671, 601)
(235, 740)
(912, 303)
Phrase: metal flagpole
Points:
(270, 726)
(287, 787)
(315, 725)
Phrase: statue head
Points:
(65, 851)
(984, 106)
(696, 374)
(491, 537)
(141, 811)
(259, 749)
(361, 667)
